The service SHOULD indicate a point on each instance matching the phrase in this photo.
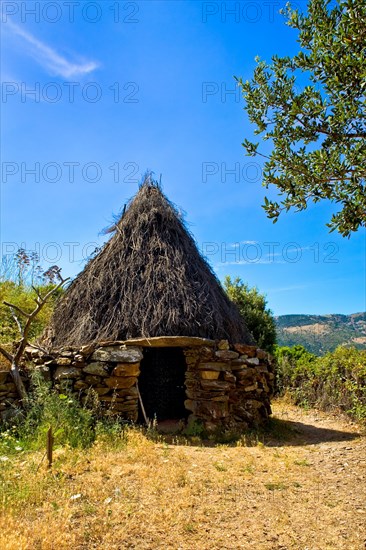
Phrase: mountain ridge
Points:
(322, 333)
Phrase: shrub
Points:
(74, 424)
(335, 381)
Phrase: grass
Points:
(280, 486)
(115, 486)
(128, 489)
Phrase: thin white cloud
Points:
(287, 288)
(48, 58)
(250, 262)
(238, 243)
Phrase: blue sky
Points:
(96, 93)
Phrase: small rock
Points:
(250, 351)
(213, 366)
(253, 403)
(253, 387)
(215, 385)
(252, 361)
(126, 369)
(67, 354)
(127, 392)
(67, 372)
(96, 369)
(223, 345)
(101, 390)
(209, 374)
(227, 355)
(87, 349)
(229, 377)
(92, 380)
(120, 382)
(80, 385)
(63, 361)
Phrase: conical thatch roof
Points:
(148, 280)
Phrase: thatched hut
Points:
(148, 280)
(148, 326)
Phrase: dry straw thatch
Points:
(148, 280)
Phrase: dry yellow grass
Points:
(304, 488)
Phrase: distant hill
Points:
(322, 333)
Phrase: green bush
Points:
(253, 308)
(336, 381)
(74, 424)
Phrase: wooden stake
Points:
(49, 446)
(142, 405)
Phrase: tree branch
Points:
(16, 320)
(40, 303)
(6, 354)
(13, 306)
(15, 359)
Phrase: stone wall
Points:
(9, 399)
(228, 386)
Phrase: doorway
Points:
(162, 384)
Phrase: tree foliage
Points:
(253, 307)
(312, 108)
(293, 354)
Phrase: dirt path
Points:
(335, 449)
(305, 489)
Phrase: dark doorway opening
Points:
(162, 384)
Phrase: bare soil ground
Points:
(301, 487)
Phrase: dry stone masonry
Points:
(226, 385)
(9, 399)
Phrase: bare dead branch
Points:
(16, 320)
(30, 317)
(15, 359)
(13, 306)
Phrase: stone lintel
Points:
(163, 342)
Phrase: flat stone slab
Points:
(97, 369)
(227, 355)
(209, 374)
(116, 382)
(215, 385)
(214, 366)
(126, 369)
(63, 373)
(250, 351)
(252, 361)
(63, 361)
(118, 354)
(164, 342)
